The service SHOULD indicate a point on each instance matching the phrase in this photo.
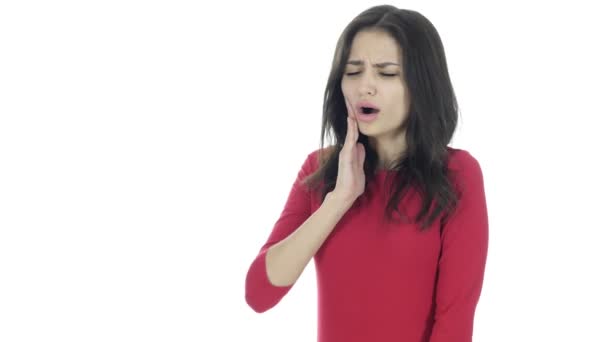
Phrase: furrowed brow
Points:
(377, 65)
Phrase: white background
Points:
(147, 148)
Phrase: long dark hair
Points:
(430, 123)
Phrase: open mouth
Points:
(369, 110)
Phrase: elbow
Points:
(257, 294)
(255, 304)
(260, 294)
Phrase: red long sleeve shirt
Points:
(388, 281)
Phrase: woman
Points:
(389, 103)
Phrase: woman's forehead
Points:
(374, 47)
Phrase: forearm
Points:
(286, 260)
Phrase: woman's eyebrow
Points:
(378, 65)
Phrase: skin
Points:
(389, 93)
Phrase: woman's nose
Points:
(367, 85)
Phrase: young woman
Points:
(395, 220)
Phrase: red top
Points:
(381, 281)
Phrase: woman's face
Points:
(383, 86)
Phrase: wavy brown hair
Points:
(429, 126)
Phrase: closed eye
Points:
(356, 73)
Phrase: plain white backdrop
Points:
(148, 147)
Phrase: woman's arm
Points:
(286, 260)
(463, 258)
(296, 237)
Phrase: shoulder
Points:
(461, 160)
(465, 167)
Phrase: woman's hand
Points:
(350, 182)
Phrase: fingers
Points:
(348, 110)
(352, 130)
(349, 133)
(348, 124)
(351, 112)
(356, 124)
